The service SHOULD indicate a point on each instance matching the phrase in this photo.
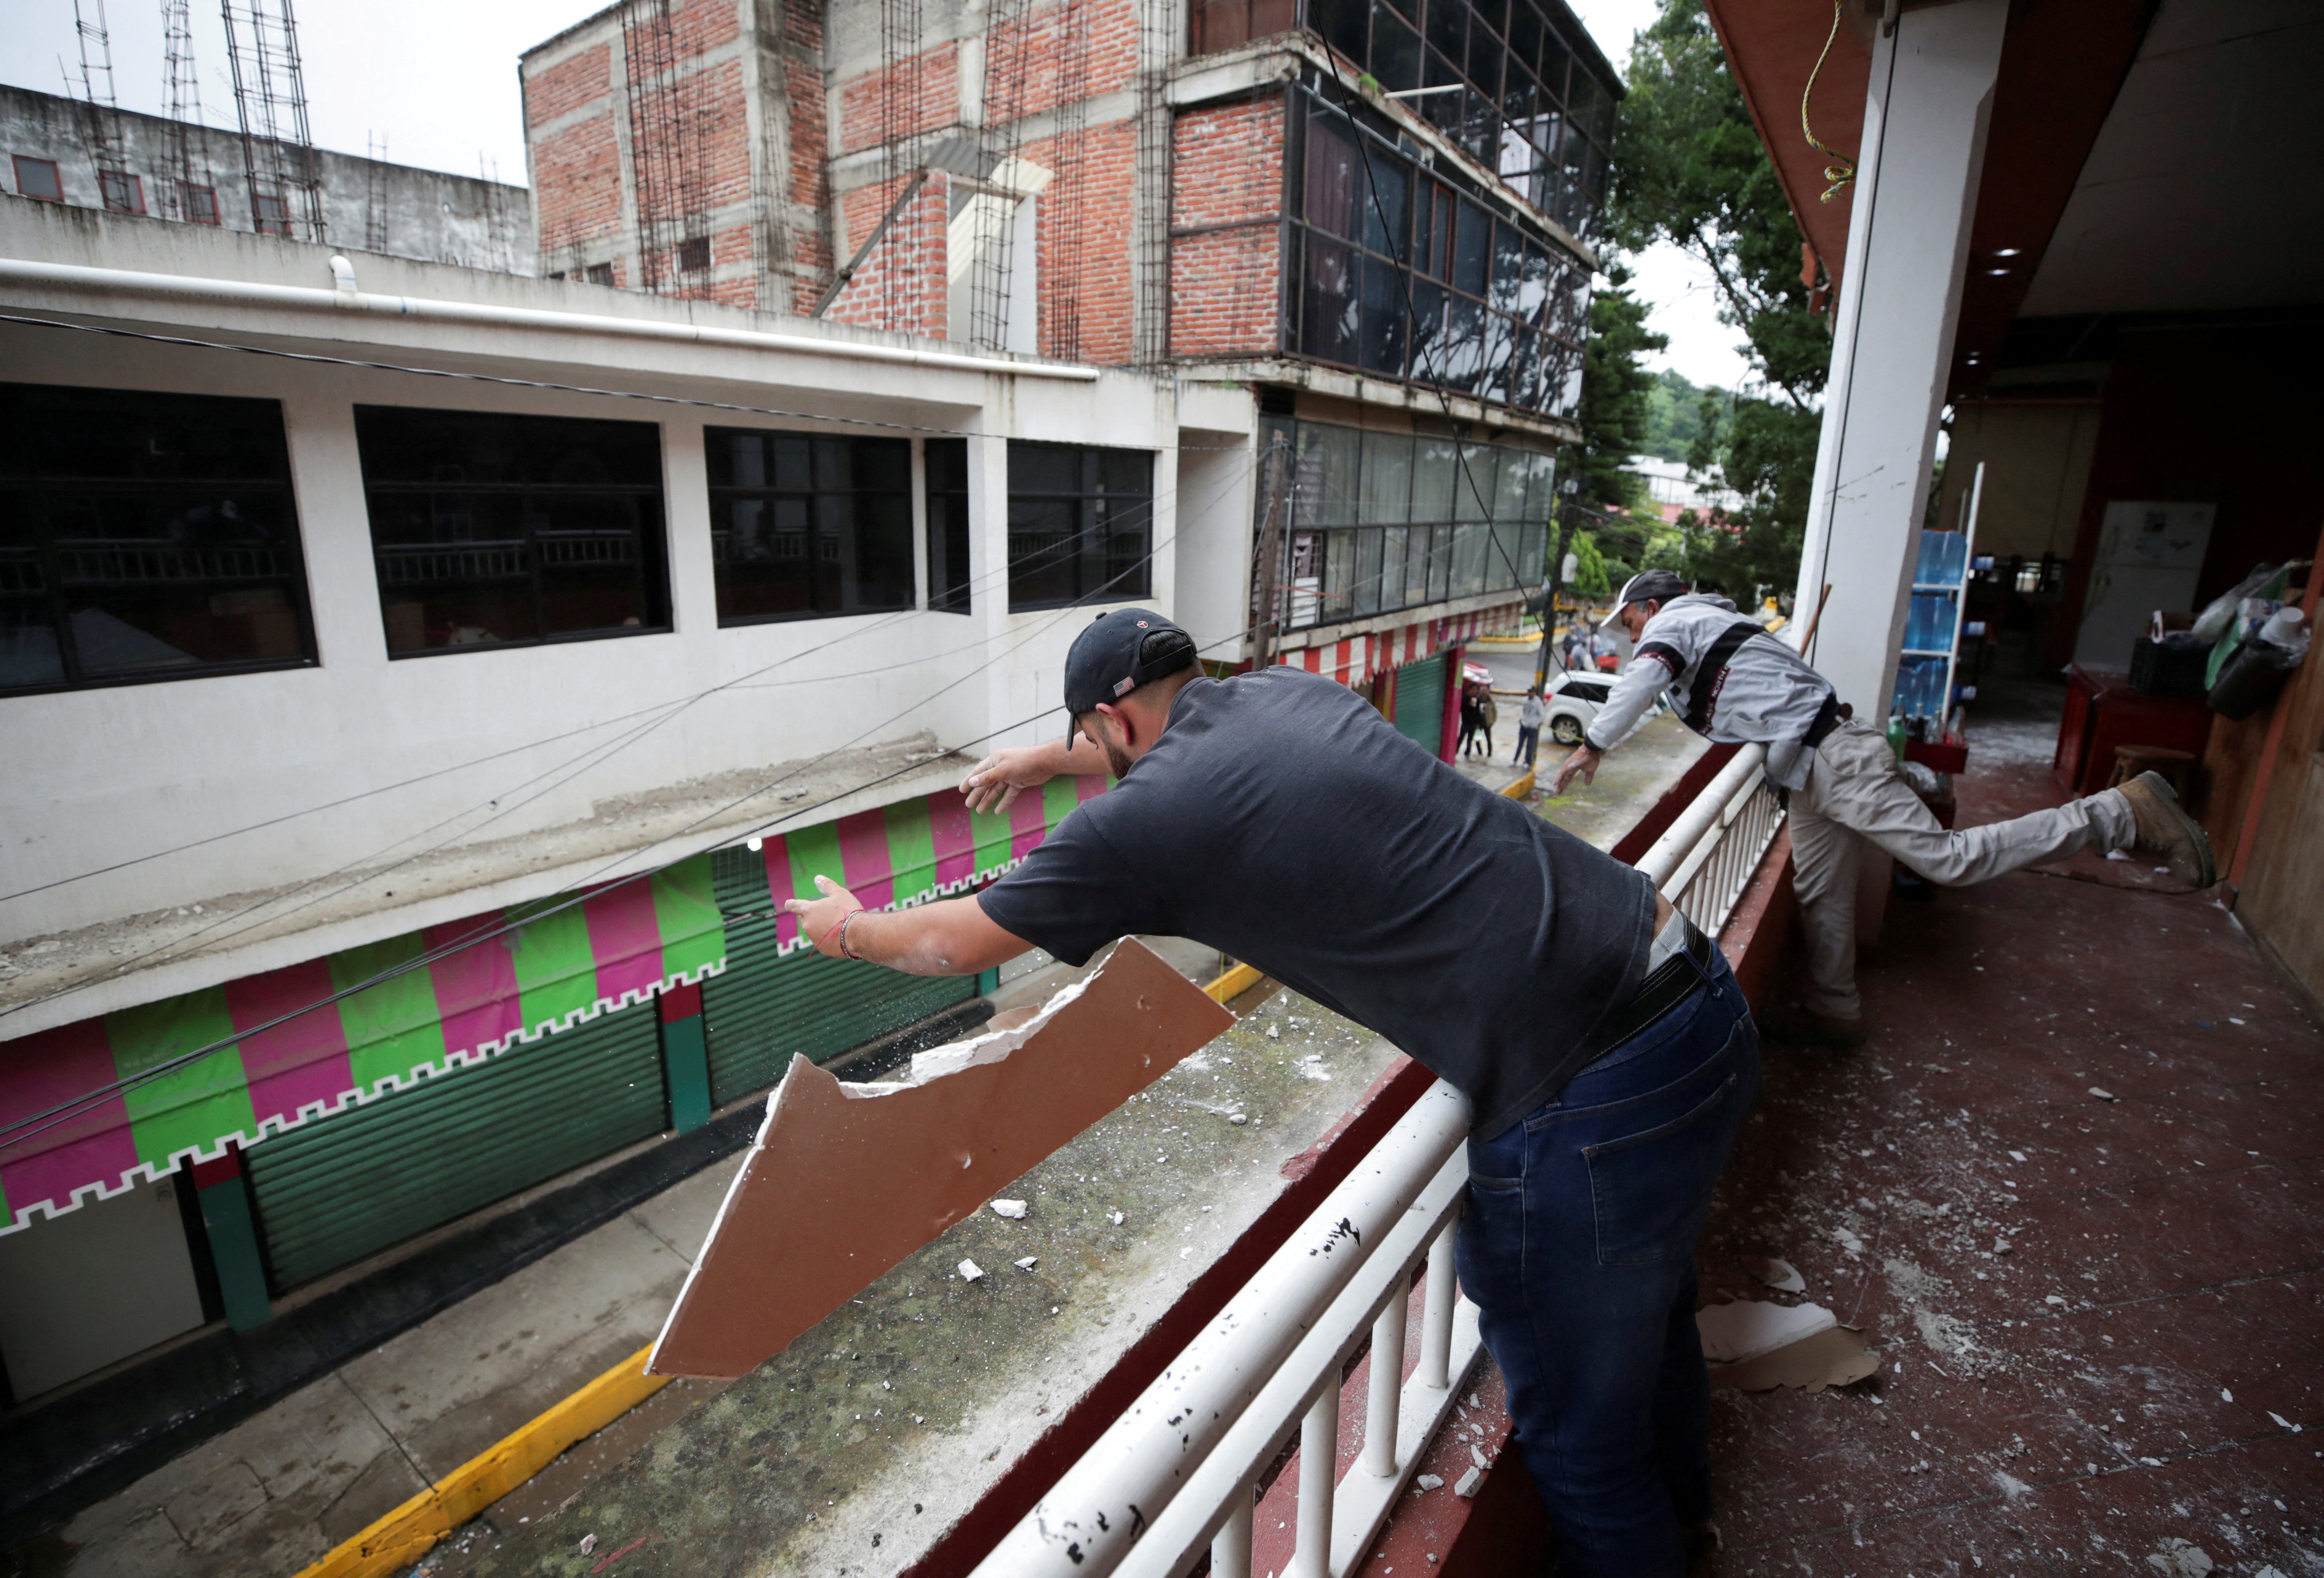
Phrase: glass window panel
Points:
(1330, 326)
(1507, 279)
(1472, 250)
(822, 530)
(1556, 57)
(1327, 479)
(1440, 564)
(1079, 524)
(1395, 546)
(1366, 581)
(1387, 199)
(1435, 464)
(1342, 24)
(1485, 55)
(1382, 333)
(1339, 568)
(947, 525)
(1448, 27)
(1510, 491)
(1525, 35)
(1474, 489)
(1430, 353)
(1333, 197)
(1470, 548)
(1387, 479)
(1464, 363)
(1395, 50)
(145, 537)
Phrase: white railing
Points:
(1179, 1473)
(1703, 863)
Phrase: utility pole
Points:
(1564, 551)
(1270, 556)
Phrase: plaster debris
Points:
(1468, 1482)
(2102, 1096)
(1027, 1263)
(1014, 1210)
(2179, 1558)
(1477, 1455)
(844, 1181)
(1848, 1241)
(1779, 1274)
(588, 1544)
(1427, 1482)
(2285, 1423)
(1116, 1217)
(1239, 1119)
(2225, 1396)
(969, 1271)
(1753, 1346)
(1275, 1032)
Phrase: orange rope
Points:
(1842, 169)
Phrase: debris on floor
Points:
(1752, 1346)
(1014, 1210)
(1779, 1274)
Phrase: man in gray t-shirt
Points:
(1603, 1044)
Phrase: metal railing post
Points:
(1387, 1384)
(1231, 1546)
(1437, 1313)
(1319, 1472)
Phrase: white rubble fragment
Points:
(1026, 1264)
(1239, 1119)
(2102, 1096)
(969, 1271)
(1014, 1210)
(2284, 1422)
(2118, 855)
(1778, 1274)
(1744, 1329)
(1468, 1482)
(1477, 1453)
(1429, 1481)
(2179, 1558)
(2053, 1298)
(1848, 1241)
(1275, 1032)
(588, 1544)
(1116, 1217)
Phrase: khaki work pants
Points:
(1856, 790)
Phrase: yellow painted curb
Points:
(1234, 982)
(406, 1533)
(1521, 788)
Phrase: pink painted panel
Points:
(47, 1069)
(955, 842)
(624, 938)
(1090, 785)
(864, 856)
(301, 1061)
(475, 987)
(776, 853)
(1027, 824)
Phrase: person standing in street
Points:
(1529, 715)
(1607, 1053)
(1736, 683)
(1472, 719)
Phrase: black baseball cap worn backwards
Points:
(1119, 651)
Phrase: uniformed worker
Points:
(1733, 681)
(1607, 1053)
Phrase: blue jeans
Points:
(1526, 739)
(1578, 1246)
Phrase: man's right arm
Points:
(1650, 674)
(997, 780)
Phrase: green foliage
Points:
(1677, 413)
(1615, 395)
(1688, 168)
(1591, 576)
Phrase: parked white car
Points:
(1570, 702)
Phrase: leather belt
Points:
(1675, 980)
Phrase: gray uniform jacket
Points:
(1733, 681)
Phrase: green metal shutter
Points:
(760, 1009)
(1420, 702)
(339, 1188)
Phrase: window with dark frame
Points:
(492, 530)
(601, 273)
(809, 525)
(693, 254)
(145, 536)
(270, 213)
(199, 204)
(120, 191)
(947, 525)
(38, 178)
(1080, 524)
(1402, 272)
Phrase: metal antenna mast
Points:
(375, 191)
(270, 96)
(100, 108)
(181, 107)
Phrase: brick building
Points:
(1376, 214)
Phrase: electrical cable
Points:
(168, 950)
(19, 1131)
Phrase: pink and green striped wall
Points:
(620, 945)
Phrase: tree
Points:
(1688, 168)
(1614, 396)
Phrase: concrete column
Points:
(1916, 192)
(988, 569)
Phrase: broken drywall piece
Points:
(1014, 1210)
(1427, 1481)
(1746, 1328)
(1779, 1274)
(1027, 1263)
(2179, 1558)
(1835, 1356)
(2102, 1096)
(845, 1181)
(1468, 1482)
(969, 1271)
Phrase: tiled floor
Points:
(2143, 1363)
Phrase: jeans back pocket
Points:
(1650, 1191)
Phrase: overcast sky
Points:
(437, 79)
